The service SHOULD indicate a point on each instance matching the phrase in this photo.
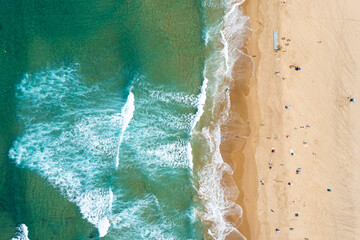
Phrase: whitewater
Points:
(140, 157)
(73, 139)
(216, 191)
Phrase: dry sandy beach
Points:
(321, 126)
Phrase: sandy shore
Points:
(322, 37)
(242, 130)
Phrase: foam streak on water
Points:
(200, 103)
(126, 113)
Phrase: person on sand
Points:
(296, 67)
(270, 164)
(277, 231)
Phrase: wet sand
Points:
(320, 125)
(242, 130)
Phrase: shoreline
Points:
(243, 128)
(249, 194)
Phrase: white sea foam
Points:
(234, 32)
(200, 103)
(162, 126)
(22, 233)
(217, 189)
(72, 138)
(69, 138)
(179, 98)
(131, 225)
(200, 110)
(190, 156)
(218, 196)
(127, 114)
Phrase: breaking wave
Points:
(22, 233)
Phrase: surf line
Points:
(127, 112)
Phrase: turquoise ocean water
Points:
(110, 118)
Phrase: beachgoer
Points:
(273, 150)
(296, 214)
(352, 99)
(291, 229)
(277, 231)
(329, 190)
(290, 184)
(287, 107)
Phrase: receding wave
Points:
(217, 190)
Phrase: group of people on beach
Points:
(292, 153)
